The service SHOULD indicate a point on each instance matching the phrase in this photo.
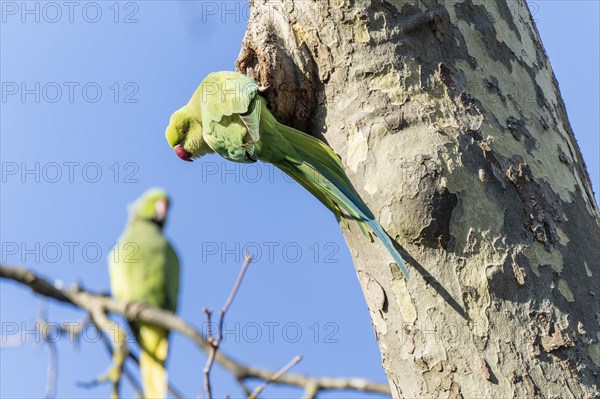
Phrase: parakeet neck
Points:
(158, 224)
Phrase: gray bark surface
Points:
(449, 121)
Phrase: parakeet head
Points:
(153, 206)
(184, 135)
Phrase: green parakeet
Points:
(227, 115)
(144, 267)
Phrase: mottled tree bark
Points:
(451, 126)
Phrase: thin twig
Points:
(210, 334)
(232, 295)
(52, 370)
(43, 327)
(275, 377)
(211, 355)
(207, 369)
(246, 390)
(215, 343)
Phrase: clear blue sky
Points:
(106, 90)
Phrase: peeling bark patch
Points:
(482, 175)
(558, 338)
(519, 273)
(388, 81)
(337, 3)
(547, 335)
(358, 148)
(594, 351)
(378, 296)
(437, 232)
(492, 87)
(524, 383)
(539, 256)
(507, 16)
(563, 157)
(361, 29)
(447, 78)
(519, 173)
(484, 369)
(519, 131)
(378, 301)
(540, 202)
(563, 288)
(427, 204)
(476, 300)
(403, 298)
(588, 271)
(484, 24)
(455, 392)
(562, 237)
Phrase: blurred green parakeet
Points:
(227, 115)
(144, 267)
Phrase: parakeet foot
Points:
(136, 308)
(113, 375)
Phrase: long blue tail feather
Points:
(369, 219)
(348, 197)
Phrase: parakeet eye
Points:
(185, 128)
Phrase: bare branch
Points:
(37, 284)
(211, 355)
(236, 288)
(274, 377)
(162, 318)
(52, 370)
(244, 387)
(214, 344)
(51, 380)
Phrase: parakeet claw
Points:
(136, 307)
(111, 375)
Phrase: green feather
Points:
(144, 267)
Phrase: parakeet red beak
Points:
(160, 210)
(182, 153)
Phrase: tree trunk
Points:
(451, 126)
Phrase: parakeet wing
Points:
(229, 138)
(144, 267)
(228, 93)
